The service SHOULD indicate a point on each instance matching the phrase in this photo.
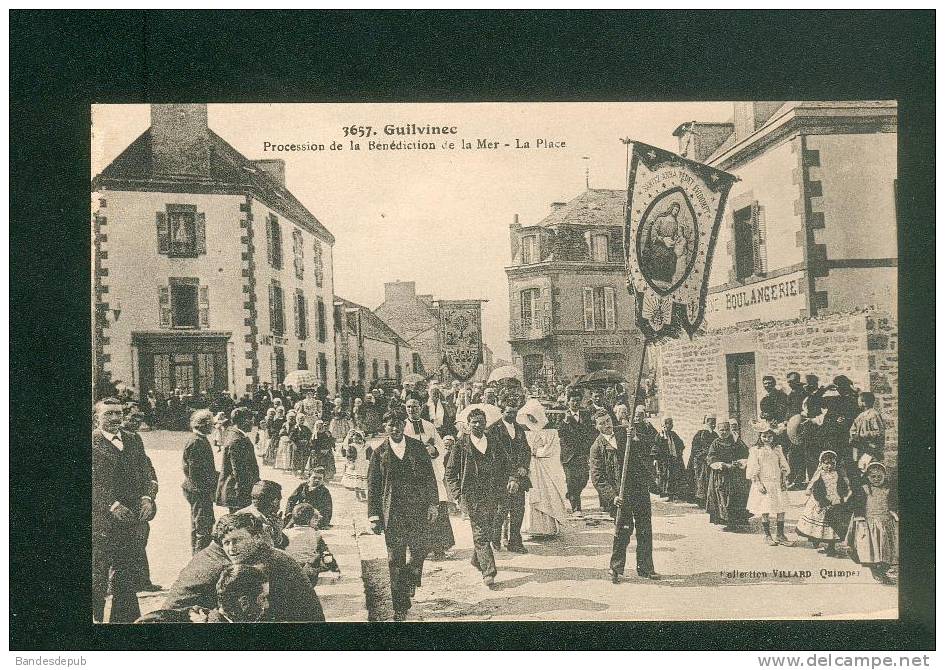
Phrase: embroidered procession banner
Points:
(461, 336)
(674, 208)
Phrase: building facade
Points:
(570, 312)
(209, 275)
(371, 350)
(805, 268)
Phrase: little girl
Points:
(873, 536)
(340, 424)
(353, 451)
(826, 514)
(306, 544)
(767, 469)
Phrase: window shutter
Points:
(305, 316)
(610, 307)
(272, 307)
(276, 244)
(200, 230)
(270, 254)
(588, 308)
(758, 239)
(317, 262)
(164, 306)
(298, 319)
(163, 235)
(204, 306)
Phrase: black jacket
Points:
(465, 480)
(200, 472)
(517, 451)
(576, 438)
(419, 486)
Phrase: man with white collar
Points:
(510, 436)
(422, 430)
(403, 504)
(477, 474)
(123, 490)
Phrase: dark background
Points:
(61, 62)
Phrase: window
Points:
(278, 365)
(530, 249)
(185, 310)
(274, 242)
(417, 362)
(530, 298)
(276, 310)
(600, 308)
(374, 370)
(397, 373)
(323, 368)
(303, 360)
(205, 372)
(361, 370)
(387, 369)
(747, 237)
(345, 370)
(181, 231)
(162, 374)
(301, 315)
(317, 262)
(339, 319)
(322, 331)
(298, 256)
(599, 252)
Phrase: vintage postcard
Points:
(495, 361)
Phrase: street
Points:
(706, 574)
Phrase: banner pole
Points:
(626, 460)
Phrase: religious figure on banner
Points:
(461, 336)
(674, 208)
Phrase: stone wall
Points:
(692, 377)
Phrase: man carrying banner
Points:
(674, 209)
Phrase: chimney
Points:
(751, 115)
(515, 235)
(180, 141)
(400, 291)
(426, 299)
(274, 167)
(698, 140)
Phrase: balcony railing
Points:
(530, 329)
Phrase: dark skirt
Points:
(442, 529)
(727, 496)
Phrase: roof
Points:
(372, 326)
(230, 172)
(594, 207)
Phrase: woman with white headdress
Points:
(545, 511)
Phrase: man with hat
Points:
(508, 435)
(576, 433)
(795, 398)
(200, 479)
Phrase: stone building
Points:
(369, 349)
(570, 312)
(415, 318)
(805, 267)
(209, 275)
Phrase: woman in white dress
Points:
(545, 511)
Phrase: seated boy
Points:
(306, 544)
(242, 597)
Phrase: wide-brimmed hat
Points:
(763, 426)
(532, 415)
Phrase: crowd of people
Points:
(488, 455)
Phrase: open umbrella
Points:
(601, 377)
(413, 378)
(505, 372)
(492, 413)
(301, 378)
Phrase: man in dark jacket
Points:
(775, 403)
(477, 477)
(123, 490)
(576, 434)
(240, 469)
(607, 456)
(510, 437)
(402, 504)
(200, 479)
(315, 493)
(241, 539)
